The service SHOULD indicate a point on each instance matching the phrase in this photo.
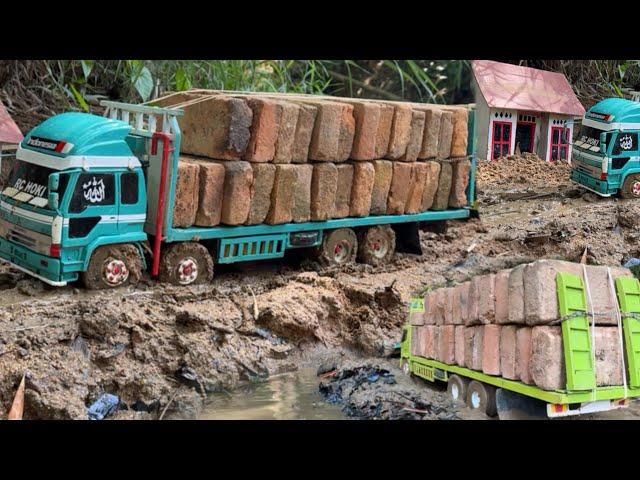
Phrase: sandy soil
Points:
(162, 348)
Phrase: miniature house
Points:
(10, 137)
(521, 109)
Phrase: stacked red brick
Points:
(250, 158)
(507, 324)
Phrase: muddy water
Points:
(290, 396)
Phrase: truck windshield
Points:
(29, 183)
(589, 138)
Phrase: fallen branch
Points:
(17, 408)
(164, 410)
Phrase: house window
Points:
(501, 144)
(559, 143)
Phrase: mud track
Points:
(161, 349)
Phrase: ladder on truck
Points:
(156, 125)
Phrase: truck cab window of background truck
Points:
(624, 146)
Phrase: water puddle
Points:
(290, 396)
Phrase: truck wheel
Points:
(186, 263)
(112, 266)
(631, 187)
(338, 247)
(377, 245)
(457, 388)
(406, 369)
(482, 397)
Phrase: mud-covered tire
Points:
(482, 397)
(631, 187)
(376, 245)
(186, 263)
(406, 368)
(339, 247)
(457, 388)
(113, 266)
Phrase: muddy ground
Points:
(161, 349)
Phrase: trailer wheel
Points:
(339, 247)
(376, 245)
(482, 397)
(631, 187)
(186, 263)
(112, 266)
(457, 388)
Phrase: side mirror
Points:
(53, 200)
(603, 143)
(54, 182)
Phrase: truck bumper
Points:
(47, 269)
(592, 184)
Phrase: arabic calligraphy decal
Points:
(93, 190)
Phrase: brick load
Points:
(236, 197)
(459, 183)
(302, 194)
(263, 177)
(185, 206)
(414, 144)
(210, 189)
(282, 195)
(324, 184)
(441, 198)
(343, 190)
(383, 173)
(362, 189)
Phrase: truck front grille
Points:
(35, 241)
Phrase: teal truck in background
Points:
(605, 157)
(91, 198)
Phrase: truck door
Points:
(92, 212)
(132, 209)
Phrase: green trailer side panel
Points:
(628, 290)
(576, 339)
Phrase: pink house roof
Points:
(522, 88)
(9, 131)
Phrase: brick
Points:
(441, 200)
(174, 99)
(263, 177)
(502, 296)
(460, 132)
(302, 195)
(417, 318)
(430, 307)
(324, 183)
(446, 133)
(419, 173)
(482, 299)
(362, 189)
(210, 190)
(286, 132)
(446, 344)
(429, 338)
(343, 191)
(304, 130)
(326, 132)
(346, 133)
(508, 365)
(185, 205)
(459, 345)
(491, 349)
(399, 190)
(516, 295)
(523, 355)
(448, 301)
(473, 346)
(264, 129)
(415, 137)
(457, 303)
(215, 127)
(439, 306)
(400, 131)
(367, 119)
(547, 366)
(383, 133)
(236, 198)
(603, 298)
(609, 369)
(432, 122)
(282, 195)
(383, 173)
(459, 183)
(416, 341)
(431, 185)
(464, 289)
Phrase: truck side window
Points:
(92, 189)
(129, 188)
(625, 143)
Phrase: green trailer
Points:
(511, 399)
(92, 197)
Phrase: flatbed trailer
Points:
(512, 399)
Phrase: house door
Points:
(501, 145)
(525, 136)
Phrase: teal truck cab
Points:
(606, 157)
(91, 198)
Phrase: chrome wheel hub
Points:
(379, 247)
(115, 272)
(187, 271)
(636, 189)
(341, 252)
